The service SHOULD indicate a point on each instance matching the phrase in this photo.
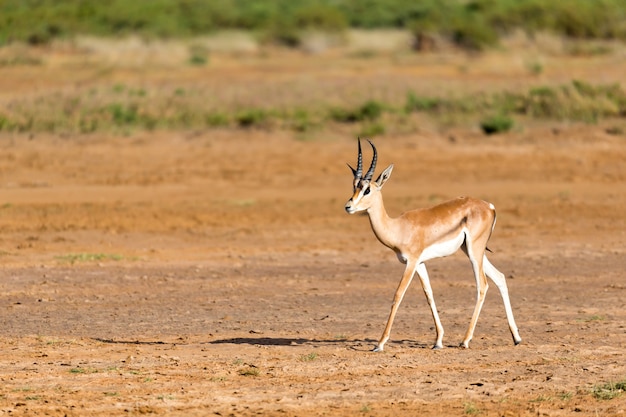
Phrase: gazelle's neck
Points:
(382, 224)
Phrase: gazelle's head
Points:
(365, 191)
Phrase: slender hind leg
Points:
(498, 278)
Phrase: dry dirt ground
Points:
(216, 273)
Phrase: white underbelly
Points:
(441, 249)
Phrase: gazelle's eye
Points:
(367, 191)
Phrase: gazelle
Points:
(419, 235)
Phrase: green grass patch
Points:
(250, 371)
(165, 397)
(368, 111)
(542, 398)
(309, 357)
(216, 119)
(609, 390)
(302, 121)
(498, 123)
(198, 55)
(122, 108)
(417, 103)
(470, 409)
(89, 257)
(566, 396)
(592, 318)
(79, 370)
(252, 118)
(371, 130)
(20, 60)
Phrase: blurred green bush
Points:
(120, 108)
(473, 24)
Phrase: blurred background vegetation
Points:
(466, 25)
(473, 24)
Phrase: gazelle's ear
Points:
(384, 176)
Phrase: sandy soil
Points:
(216, 272)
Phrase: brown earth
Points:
(216, 272)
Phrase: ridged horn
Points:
(370, 172)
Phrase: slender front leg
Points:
(397, 299)
(428, 292)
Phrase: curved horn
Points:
(359, 166)
(370, 172)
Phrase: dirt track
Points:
(231, 281)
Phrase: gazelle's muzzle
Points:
(352, 206)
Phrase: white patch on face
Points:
(352, 206)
